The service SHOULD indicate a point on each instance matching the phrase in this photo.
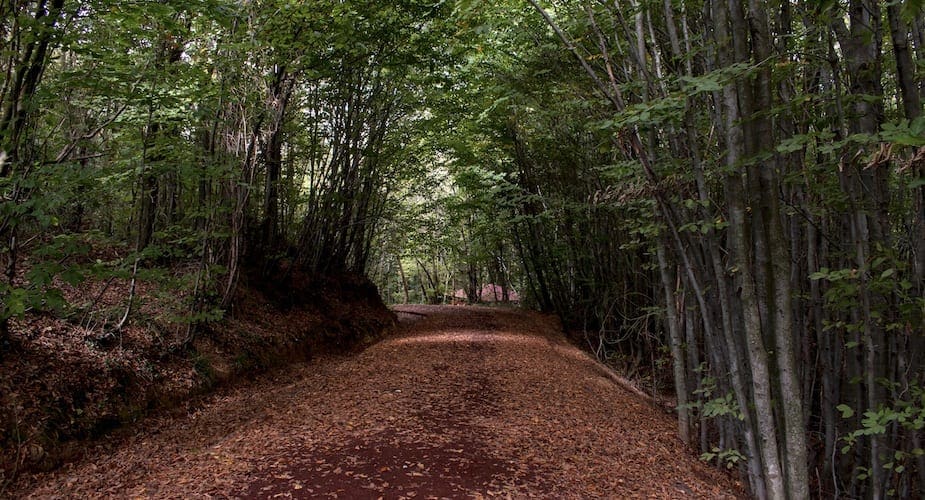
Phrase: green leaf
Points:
(16, 302)
(72, 276)
(846, 411)
(904, 133)
(707, 83)
(53, 300)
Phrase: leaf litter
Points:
(458, 402)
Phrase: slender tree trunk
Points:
(905, 67)
(779, 275)
(404, 280)
(766, 429)
(239, 191)
(676, 342)
(868, 196)
(18, 103)
(148, 189)
(911, 94)
(273, 159)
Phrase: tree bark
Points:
(867, 185)
(18, 105)
(676, 342)
(280, 94)
(16, 152)
(778, 289)
(732, 46)
(905, 67)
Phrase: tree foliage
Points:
(228, 135)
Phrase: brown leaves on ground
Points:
(462, 402)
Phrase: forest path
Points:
(462, 402)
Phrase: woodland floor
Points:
(460, 402)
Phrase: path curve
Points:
(462, 402)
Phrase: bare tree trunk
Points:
(779, 275)
(918, 205)
(676, 341)
(240, 190)
(736, 140)
(273, 159)
(905, 67)
(868, 191)
(911, 94)
(404, 280)
(148, 189)
(30, 67)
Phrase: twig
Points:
(131, 297)
(79, 158)
(64, 153)
(89, 309)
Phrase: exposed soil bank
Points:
(62, 383)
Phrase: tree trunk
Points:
(736, 143)
(778, 287)
(168, 53)
(404, 280)
(676, 342)
(911, 94)
(147, 212)
(30, 67)
(16, 150)
(867, 186)
(273, 159)
(905, 67)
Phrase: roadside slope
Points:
(461, 402)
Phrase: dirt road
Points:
(461, 402)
